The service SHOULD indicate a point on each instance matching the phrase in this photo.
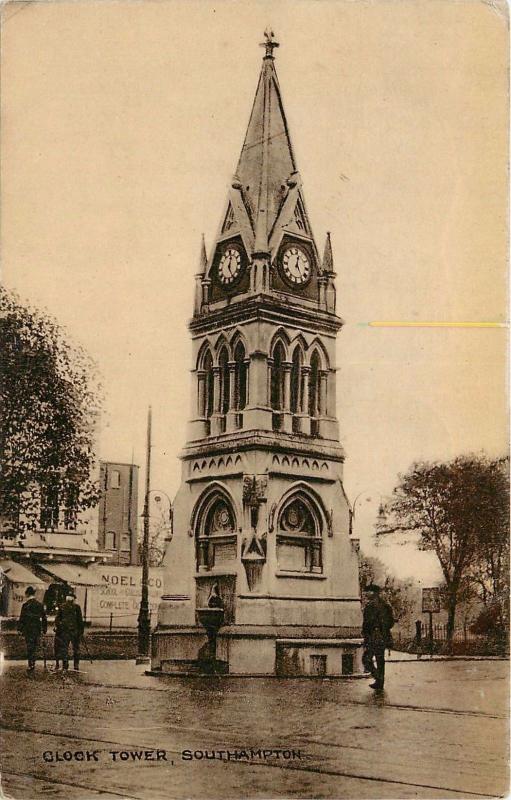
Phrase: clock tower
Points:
(261, 516)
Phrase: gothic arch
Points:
(277, 383)
(239, 351)
(223, 364)
(312, 498)
(299, 341)
(314, 399)
(317, 345)
(221, 344)
(237, 337)
(205, 381)
(205, 347)
(281, 336)
(214, 526)
(214, 490)
(300, 525)
(297, 362)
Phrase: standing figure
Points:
(32, 623)
(57, 640)
(70, 626)
(377, 623)
(215, 601)
(418, 637)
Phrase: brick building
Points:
(118, 512)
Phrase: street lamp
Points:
(144, 618)
(352, 508)
(157, 499)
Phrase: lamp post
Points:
(144, 621)
(354, 506)
(157, 499)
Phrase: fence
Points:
(440, 633)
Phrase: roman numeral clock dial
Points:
(230, 266)
(296, 265)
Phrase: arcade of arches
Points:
(294, 387)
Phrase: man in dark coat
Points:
(70, 626)
(377, 623)
(32, 623)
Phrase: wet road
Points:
(440, 730)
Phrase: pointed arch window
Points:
(223, 363)
(296, 381)
(299, 536)
(207, 397)
(216, 540)
(240, 377)
(314, 385)
(277, 377)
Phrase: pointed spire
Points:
(328, 258)
(203, 260)
(267, 158)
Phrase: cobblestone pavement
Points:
(440, 730)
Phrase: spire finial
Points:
(270, 44)
(203, 260)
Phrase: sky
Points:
(122, 125)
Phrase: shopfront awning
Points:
(17, 573)
(72, 574)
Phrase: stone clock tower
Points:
(261, 511)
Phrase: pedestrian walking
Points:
(70, 626)
(31, 624)
(378, 620)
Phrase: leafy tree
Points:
(489, 573)
(457, 509)
(50, 400)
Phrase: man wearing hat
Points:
(32, 623)
(70, 626)
(377, 623)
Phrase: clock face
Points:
(296, 265)
(230, 265)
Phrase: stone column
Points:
(257, 413)
(286, 400)
(216, 390)
(322, 284)
(197, 427)
(305, 389)
(305, 418)
(201, 393)
(268, 388)
(323, 389)
(247, 381)
(198, 297)
(206, 284)
(216, 417)
(287, 422)
(232, 415)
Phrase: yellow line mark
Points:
(394, 324)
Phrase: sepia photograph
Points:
(254, 441)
